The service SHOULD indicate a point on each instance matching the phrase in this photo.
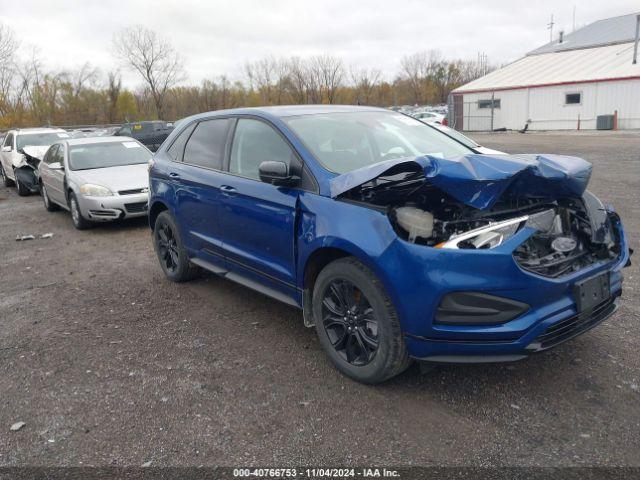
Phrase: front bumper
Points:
(106, 209)
(551, 319)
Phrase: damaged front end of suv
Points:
(26, 172)
(520, 255)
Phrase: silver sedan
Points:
(97, 179)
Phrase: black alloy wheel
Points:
(356, 322)
(171, 252)
(167, 248)
(349, 321)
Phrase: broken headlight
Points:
(489, 236)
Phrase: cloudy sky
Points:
(217, 37)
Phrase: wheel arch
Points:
(156, 209)
(322, 256)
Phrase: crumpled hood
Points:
(36, 152)
(480, 180)
(126, 177)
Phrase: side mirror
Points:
(56, 166)
(277, 173)
(6, 148)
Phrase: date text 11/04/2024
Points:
(316, 473)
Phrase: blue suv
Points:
(396, 241)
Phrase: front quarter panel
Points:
(364, 233)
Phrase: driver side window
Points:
(59, 155)
(8, 142)
(50, 156)
(255, 142)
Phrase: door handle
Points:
(174, 175)
(227, 190)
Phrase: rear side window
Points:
(176, 149)
(205, 147)
(255, 142)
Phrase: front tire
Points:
(6, 181)
(22, 190)
(171, 253)
(48, 204)
(77, 219)
(357, 324)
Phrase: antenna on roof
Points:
(550, 28)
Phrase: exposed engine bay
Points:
(570, 233)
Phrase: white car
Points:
(463, 139)
(429, 117)
(21, 153)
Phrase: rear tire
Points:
(172, 255)
(77, 219)
(6, 181)
(357, 324)
(48, 204)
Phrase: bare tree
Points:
(298, 80)
(8, 47)
(154, 58)
(114, 87)
(327, 73)
(8, 44)
(82, 77)
(365, 81)
(418, 69)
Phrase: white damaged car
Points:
(21, 153)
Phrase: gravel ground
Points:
(108, 363)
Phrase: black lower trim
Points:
(477, 308)
(472, 358)
(575, 325)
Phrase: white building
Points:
(564, 85)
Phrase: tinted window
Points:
(205, 147)
(253, 143)
(8, 142)
(573, 98)
(487, 103)
(176, 149)
(343, 142)
(104, 155)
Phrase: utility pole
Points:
(550, 28)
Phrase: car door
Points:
(257, 218)
(8, 149)
(197, 177)
(45, 172)
(56, 175)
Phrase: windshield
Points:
(39, 139)
(104, 155)
(458, 136)
(346, 141)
